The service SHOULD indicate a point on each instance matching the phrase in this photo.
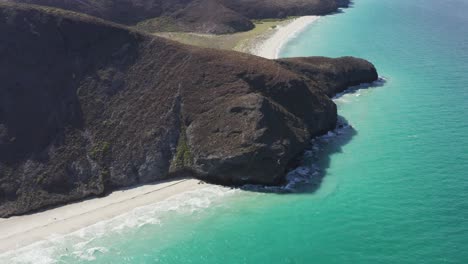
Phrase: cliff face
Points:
(203, 16)
(88, 106)
(332, 76)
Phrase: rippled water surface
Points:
(395, 186)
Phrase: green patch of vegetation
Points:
(105, 174)
(183, 157)
(41, 179)
(100, 150)
(100, 153)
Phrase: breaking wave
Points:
(79, 244)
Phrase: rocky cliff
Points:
(87, 106)
(203, 16)
(331, 75)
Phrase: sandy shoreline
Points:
(265, 40)
(19, 231)
(270, 46)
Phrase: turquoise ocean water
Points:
(395, 186)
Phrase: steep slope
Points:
(203, 16)
(87, 106)
(127, 12)
(210, 16)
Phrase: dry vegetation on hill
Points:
(202, 16)
(88, 106)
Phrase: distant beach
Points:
(266, 40)
(269, 45)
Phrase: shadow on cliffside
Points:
(310, 170)
(314, 163)
(343, 5)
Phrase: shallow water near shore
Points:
(394, 187)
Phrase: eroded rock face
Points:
(252, 138)
(87, 107)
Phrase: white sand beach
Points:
(19, 231)
(269, 47)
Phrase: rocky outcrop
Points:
(330, 75)
(202, 16)
(87, 106)
(251, 138)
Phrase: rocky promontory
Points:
(332, 75)
(88, 106)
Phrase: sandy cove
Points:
(270, 46)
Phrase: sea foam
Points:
(81, 243)
(307, 175)
(356, 91)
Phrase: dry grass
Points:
(241, 41)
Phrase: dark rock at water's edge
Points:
(88, 106)
(332, 76)
(202, 16)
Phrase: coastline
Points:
(269, 45)
(265, 40)
(20, 231)
(240, 41)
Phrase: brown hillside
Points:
(87, 106)
(203, 16)
(261, 9)
(210, 16)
